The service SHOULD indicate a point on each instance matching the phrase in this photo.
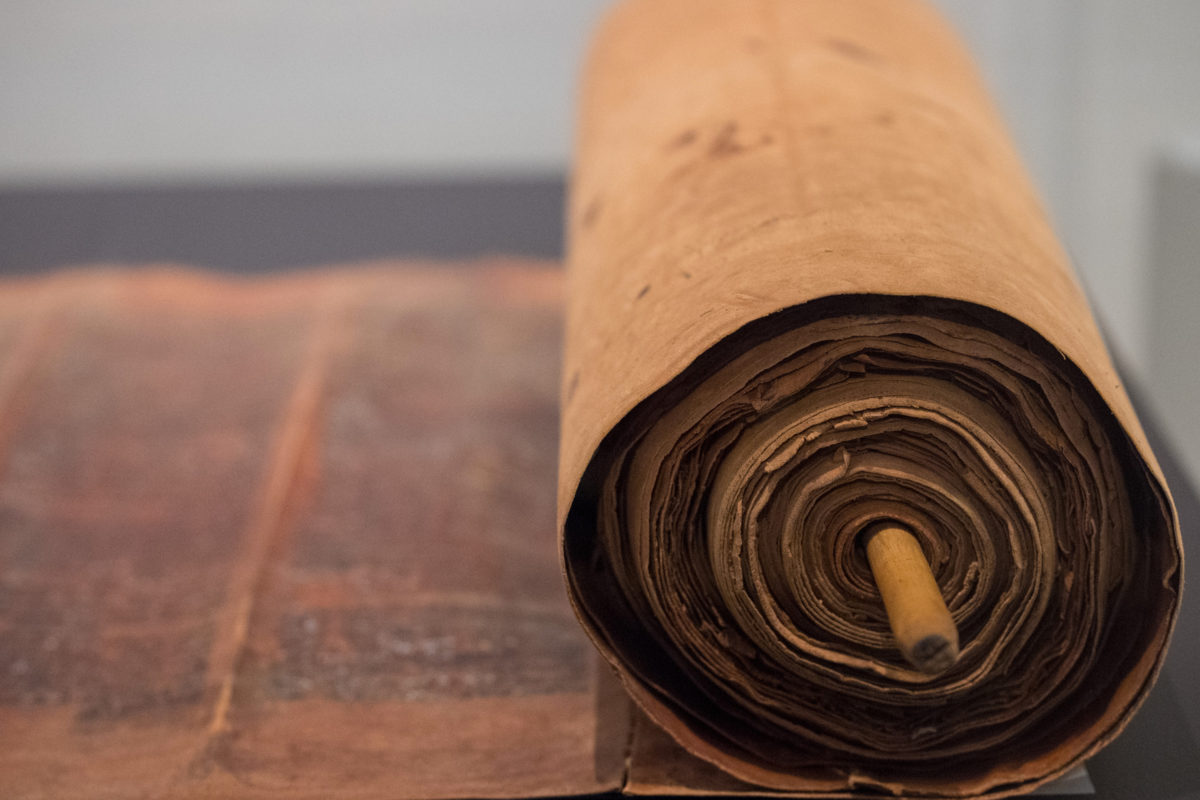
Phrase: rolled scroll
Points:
(810, 290)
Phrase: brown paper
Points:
(810, 286)
(289, 537)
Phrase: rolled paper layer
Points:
(810, 290)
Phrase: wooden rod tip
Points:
(920, 622)
(934, 654)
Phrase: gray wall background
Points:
(1103, 97)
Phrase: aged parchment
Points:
(811, 287)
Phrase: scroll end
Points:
(920, 621)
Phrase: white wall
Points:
(1173, 363)
(221, 89)
(147, 89)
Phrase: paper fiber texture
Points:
(288, 537)
(810, 286)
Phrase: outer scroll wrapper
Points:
(810, 288)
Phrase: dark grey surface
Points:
(265, 227)
(260, 227)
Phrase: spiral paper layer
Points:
(727, 526)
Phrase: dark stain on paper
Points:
(853, 51)
(591, 214)
(725, 143)
(683, 139)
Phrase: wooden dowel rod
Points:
(920, 621)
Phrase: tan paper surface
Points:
(811, 286)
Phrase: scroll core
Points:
(920, 621)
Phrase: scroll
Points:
(849, 493)
(811, 293)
